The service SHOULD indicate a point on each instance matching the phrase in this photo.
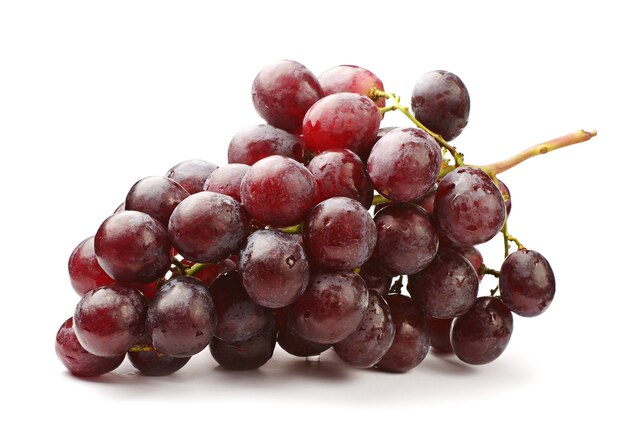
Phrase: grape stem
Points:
(182, 268)
(197, 267)
(141, 348)
(293, 229)
(377, 93)
(508, 238)
(538, 149)
(484, 270)
(397, 286)
(379, 199)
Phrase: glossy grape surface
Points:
(109, 319)
(341, 120)
(291, 341)
(404, 164)
(331, 308)
(469, 208)
(341, 173)
(238, 317)
(76, 359)
(339, 234)
(412, 340)
(208, 227)
(181, 319)
(278, 191)
(375, 278)
(247, 354)
(506, 195)
(156, 196)
(227, 180)
(273, 267)
(153, 362)
(527, 283)
(440, 334)
(353, 79)
(441, 102)
(481, 335)
(370, 342)
(447, 287)
(85, 272)
(283, 91)
(256, 142)
(191, 174)
(406, 239)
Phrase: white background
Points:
(96, 95)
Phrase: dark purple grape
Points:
(154, 363)
(440, 334)
(132, 246)
(76, 359)
(441, 102)
(208, 227)
(273, 267)
(291, 341)
(469, 208)
(428, 201)
(181, 319)
(85, 272)
(341, 120)
(256, 142)
(247, 354)
(238, 317)
(447, 287)
(191, 174)
(339, 234)
(109, 319)
(527, 283)
(481, 335)
(404, 164)
(278, 191)
(366, 346)
(227, 180)
(157, 196)
(412, 340)
(353, 79)
(474, 256)
(506, 195)
(375, 278)
(341, 173)
(283, 92)
(212, 271)
(331, 308)
(406, 239)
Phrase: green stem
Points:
(494, 291)
(508, 238)
(379, 199)
(179, 265)
(197, 267)
(293, 229)
(141, 348)
(484, 270)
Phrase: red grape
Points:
(157, 196)
(227, 180)
(350, 78)
(154, 363)
(440, 334)
(291, 341)
(191, 174)
(375, 278)
(85, 272)
(247, 354)
(256, 142)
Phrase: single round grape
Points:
(375, 278)
(208, 227)
(273, 267)
(341, 120)
(440, 334)
(132, 246)
(474, 256)
(291, 341)
(527, 283)
(481, 335)
(156, 196)
(428, 201)
(469, 208)
(181, 319)
(447, 287)
(248, 354)
(85, 272)
(109, 319)
(283, 91)
(227, 180)
(154, 363)
(341, 173)
(412, 340)
(76, 359)
(353, 79)
(339, 234)
(278, 191)
(406, 239)
(331, 308)
(238, 317)
(366, 346)
(506, 195)
(404, 164)
(191, 174)
(256, 142)
(441, 102)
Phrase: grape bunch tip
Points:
(306, 237)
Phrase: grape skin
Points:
(85, 272)
(153, 362)
(256, 142)
(291, 341)
(191, 174)
(227, 180)
(353, 79)
(156, 196)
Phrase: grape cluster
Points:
(298, 239)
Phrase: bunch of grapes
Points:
(298, 240)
